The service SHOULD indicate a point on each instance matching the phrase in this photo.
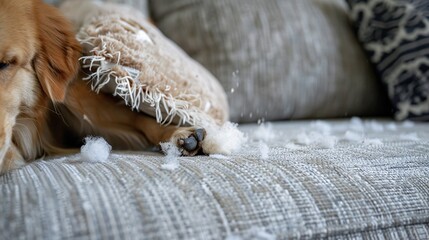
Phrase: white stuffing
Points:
(410, 136)
(95, 149)
(392, 127)
(353, 136)
(303, 139)
(375, 126)
(171, 156)
(328, 142)
(264, 132)
(218, 156)
(225, 139)
(356, 121)
(316, 139)
(321, 126)
(265, 150)
(356, 124)
(172, 166)
(374, 142)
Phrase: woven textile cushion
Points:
(125, 55)
(278, 187)
(276, 59)
(395, 35)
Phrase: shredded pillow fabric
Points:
(395, 35)
(124, 54)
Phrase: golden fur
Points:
(45, 106)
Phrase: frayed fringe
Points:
(134, 93)
(139, 96)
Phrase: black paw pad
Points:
(200, 134)
(189, 144)
(192, 144)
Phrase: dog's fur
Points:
(44, 106)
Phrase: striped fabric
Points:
(279, 186)
(396, 36)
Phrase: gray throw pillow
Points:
(395, 35)
(277, 59)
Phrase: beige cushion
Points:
(277, 59)
(127, 56)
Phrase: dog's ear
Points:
(57, 60)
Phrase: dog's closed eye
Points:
(4, 65)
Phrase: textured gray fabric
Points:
(355, 189)
(277, 59)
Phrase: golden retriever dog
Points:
(46, 109)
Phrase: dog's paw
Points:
(189, 140)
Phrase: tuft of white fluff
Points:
(225, 139)
(356, 121)
(356, 124)
(375, 126)
(265, 150)
(353, 136)
(321, 126)
(264, 132)
(171, 156)
(303, 139)
(392, 127)
(328, 142)
(316, 139)
(95, 149)
(218, 156)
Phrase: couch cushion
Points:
(372, 181)
(276, 59)
(126, 56)
(396, 37)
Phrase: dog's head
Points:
(38, 59)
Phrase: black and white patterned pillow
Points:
(395, 34)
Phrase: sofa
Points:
(323, 158)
